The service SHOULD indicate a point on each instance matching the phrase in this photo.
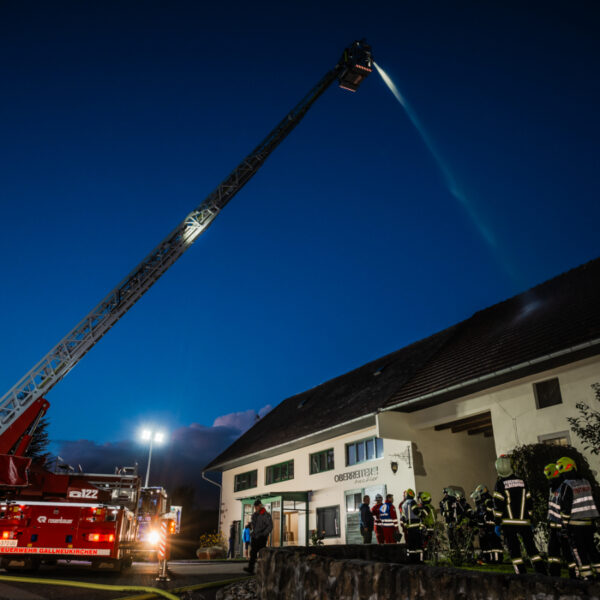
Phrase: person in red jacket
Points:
(377, 520)
(389, 520)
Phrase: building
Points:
(432, 414)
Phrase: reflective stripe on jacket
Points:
(576, 500)
(512, 502)
(409, 515)
(387, 515)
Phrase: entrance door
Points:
(353, 502)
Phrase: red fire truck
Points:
(45, 515)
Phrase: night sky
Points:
(358, 236)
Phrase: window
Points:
(547, 393)
(321, 461)
(560, 438)
(281, 472)
(369, 449)
(245, 481)
(328, 521)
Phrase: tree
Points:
(39, 442)
(587, 425)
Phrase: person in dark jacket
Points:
(512, 512)
(262, 525)
(413, 526)
(232, 532)
(578, 512)
(366, 520)
(490, 543)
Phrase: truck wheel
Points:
(23, 565)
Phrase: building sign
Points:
(359, 475)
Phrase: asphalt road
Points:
(182, 574)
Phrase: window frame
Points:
(319, 453)
(237, 488)
(536, 393)
(547, 438)
(363, 442)
(270, 468)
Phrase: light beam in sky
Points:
(449, 179)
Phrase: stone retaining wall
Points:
(330, 572)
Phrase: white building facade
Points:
(431, 415)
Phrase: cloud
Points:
(242, 421)
(177, 463)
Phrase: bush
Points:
(528, 463)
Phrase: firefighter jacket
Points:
(512, 502)
(484, 511)
(410, 515)
(554, 518)
(387, 515)
(428, 515)
(577, 506)
(448, 509)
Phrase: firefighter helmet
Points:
(504, 466)
(409, 493)
(478, 492)
(551, 471)
(425, 497)
(450, 491)
(565, 465)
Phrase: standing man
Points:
(491, 544)
(377, 519)
(389, 520)
(448, 509)
(578, 512)
(411, 520)
(512, 511)
(262, 525)
(366, 520)
(557, 543)
(232, 532)
(247, 538)
(428, 519)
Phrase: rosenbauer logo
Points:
(60, 521)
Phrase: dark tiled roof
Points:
(558, 314)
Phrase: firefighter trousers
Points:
(511, 537)
(414, 544)
(581, 542)
(491, 545)
(559, 551)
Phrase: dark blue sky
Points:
(118, 118)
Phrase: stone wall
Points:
(373, 572)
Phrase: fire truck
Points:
(46, 515)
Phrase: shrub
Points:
(528, 463)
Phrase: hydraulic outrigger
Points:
(32, 499)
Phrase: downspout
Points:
(220, 494)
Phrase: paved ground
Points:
(183, 573)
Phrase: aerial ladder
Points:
(23, 406)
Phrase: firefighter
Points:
(491, 544)
(389, 520)
(512, 511)
(557, 542)
(411, 522)
(428, 517)
(448, 510)
(578, 512)
(377, 519)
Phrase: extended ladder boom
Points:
(353, 67)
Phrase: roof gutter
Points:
(469, 382)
